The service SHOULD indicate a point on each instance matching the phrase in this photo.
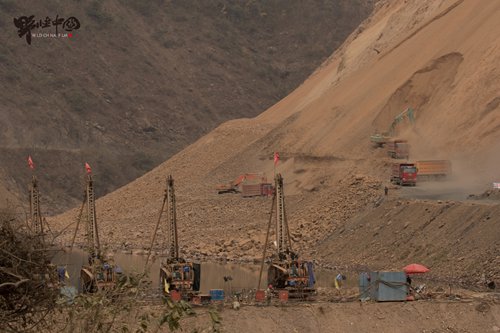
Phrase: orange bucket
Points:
(175, 295)
(260, 296)
(283, 295)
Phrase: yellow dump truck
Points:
(433, 169)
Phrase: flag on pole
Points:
(30, 163)
(87, 167)
(276, 157)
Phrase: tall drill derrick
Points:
(287, 272)
(35, 212)
(282, 231)
(173, 244)
(88, 205)
(92, 232)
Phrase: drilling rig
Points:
(39, 228)
(36, 222)
(175, 272)
(286, 271)
(99, 274)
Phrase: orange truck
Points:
(398, 149)
(433, 169)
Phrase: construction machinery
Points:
(404, 174)
(176, 274)
(398, 149)
(433, 169)
(100, 274)
(380, 139)
(286, 270)
(245, 180)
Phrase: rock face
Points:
(437, 56)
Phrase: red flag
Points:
(87, 167)
(276, 157)
(30, 163)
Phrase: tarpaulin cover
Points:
(197, 274)
(415, 269)
(312, 279)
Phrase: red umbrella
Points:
(415, 269)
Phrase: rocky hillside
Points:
(137, 81)
(438, 57)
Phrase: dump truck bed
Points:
(433, 168)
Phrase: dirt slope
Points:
(439, 57)
(140, 81)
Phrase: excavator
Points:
(99, 274)
(286, 270)
(176, 273)
(379, 139)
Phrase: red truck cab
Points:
(404, 174)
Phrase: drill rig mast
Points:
(39, 228)
(175, 272)
(36, 221)
(282, 232)
(173, 244)
(93, 245)
(285, 270)
(98, 274)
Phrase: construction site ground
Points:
(460, 312)
(439, 316)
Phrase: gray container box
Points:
(383, 286)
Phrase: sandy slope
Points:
(439, 57)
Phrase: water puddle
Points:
(242, 276)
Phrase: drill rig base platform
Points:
(181, 276)
(294, 276)
(97, 277)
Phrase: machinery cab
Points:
(291, 274)
(99, 276)
(179, 275)
(408, 174)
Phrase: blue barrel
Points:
(216, 294)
